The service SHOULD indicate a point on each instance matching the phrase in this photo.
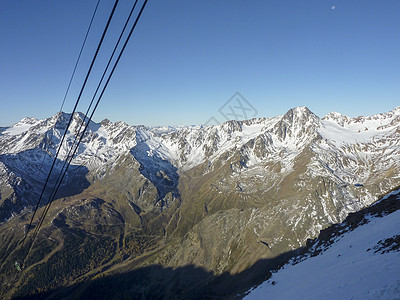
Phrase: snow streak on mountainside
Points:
(359, 264)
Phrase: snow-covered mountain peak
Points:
(337, 118)
(28, 120)
(20, 127)
(346, 131)
(297, 126)
(300, 110)
(105, 122)
(300, 116)
(254, 121)
(381, 118)
(231, 126)
(396, 110)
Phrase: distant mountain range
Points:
(221, 198)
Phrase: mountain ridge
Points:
(200, 195)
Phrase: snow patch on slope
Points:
(24, 125)
(344, 130)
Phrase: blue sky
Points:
(187, 58)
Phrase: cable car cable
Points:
(87, 124)
(70, 120)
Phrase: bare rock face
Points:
(219, 198)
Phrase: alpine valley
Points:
(191, 212)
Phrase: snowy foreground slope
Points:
(360, 264)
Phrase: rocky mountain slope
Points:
(357, 259)
(220, 197)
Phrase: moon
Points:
(333, 7)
